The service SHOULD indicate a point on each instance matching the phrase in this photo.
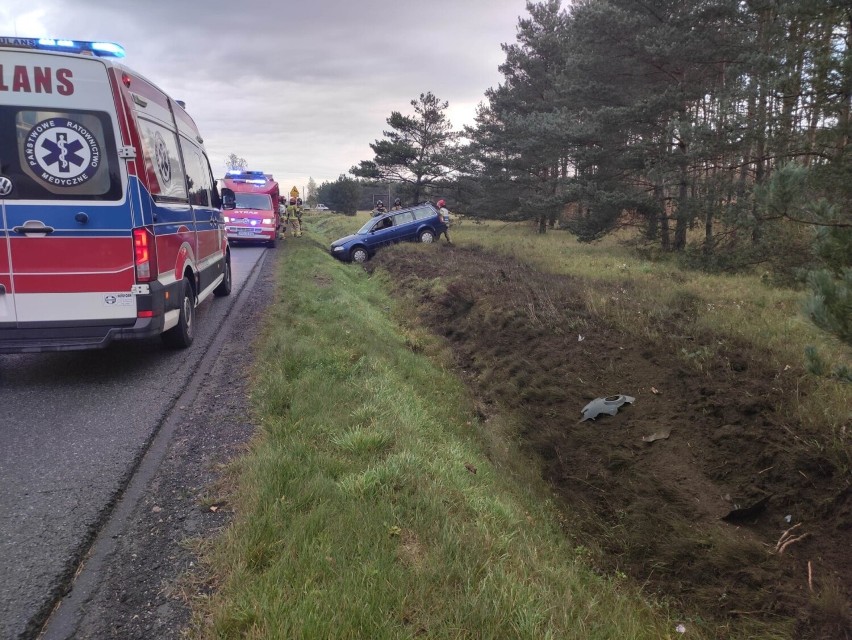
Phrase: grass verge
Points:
(366, 508)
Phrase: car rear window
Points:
(58, 155)
(423, 212)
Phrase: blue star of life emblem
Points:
(62, 152)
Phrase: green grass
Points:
(358, 514)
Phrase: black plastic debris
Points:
(740, 514)
(608, 406)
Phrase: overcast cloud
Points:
(297, 89)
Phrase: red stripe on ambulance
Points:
(55, 264)
(74, 283)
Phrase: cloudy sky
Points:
(298, 89)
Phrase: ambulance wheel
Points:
(224, 287)
(181, 335)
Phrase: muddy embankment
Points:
(694, 489)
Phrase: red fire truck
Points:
(255, 218)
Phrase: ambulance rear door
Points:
(67, 251)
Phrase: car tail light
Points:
(144, 254)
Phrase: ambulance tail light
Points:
(144, 254)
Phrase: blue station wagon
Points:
(420, 223)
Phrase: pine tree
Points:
(518, 143)
(417, 151)
(830, 304)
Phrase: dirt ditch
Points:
(694, 489)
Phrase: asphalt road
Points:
(73, 427)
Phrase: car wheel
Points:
(181, 335)
(427, 236)
(224, 287)
(359, 254)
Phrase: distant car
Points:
(421, 223)
(322, 207)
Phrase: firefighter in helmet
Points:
(445, 218)
(294, 217)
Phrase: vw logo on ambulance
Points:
(5, 186)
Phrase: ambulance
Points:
(111, 225)
(255, 217)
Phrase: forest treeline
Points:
(728, 116)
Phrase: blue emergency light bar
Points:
(103, 49)
(250, 177)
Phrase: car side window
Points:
(404, 218)
(423, 212)
(384, 223)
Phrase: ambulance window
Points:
(162, 163)
(207, 176)
(68, 154)
(197, 180)
(215, 185)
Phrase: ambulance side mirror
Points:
(229, 200)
